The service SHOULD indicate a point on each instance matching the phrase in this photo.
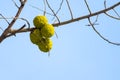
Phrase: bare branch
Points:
(4, 19)
(44, 7)
(53, 11)
(18, 18)
(69, 9)
(22, 30)
(42, 10)
(3, 36)
(87, 16)
(15, 4)
(1, 29)
(25, 21)
(95, 22)
(116, 12)
(16, 31)
(105, 4)
(56, 34)
(59, 8)
(111, 15)
(118, 44)
(9, 32)
(88, 7)
(97, 31)
(74, 20)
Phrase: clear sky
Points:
(77, 54)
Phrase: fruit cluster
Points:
(42, 33)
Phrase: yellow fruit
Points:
(45, 45)
(47, 31)
(39, 21)
(35, 36)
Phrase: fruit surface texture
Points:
(47, 31)
(45, 45)
(35, 36)
(39, 21)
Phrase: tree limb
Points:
(9, 32)
(74, 20)
(6, 31)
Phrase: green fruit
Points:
(35, 36)
(47, 31)
(45, 45)
(39, 21)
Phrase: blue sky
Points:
(78, 53)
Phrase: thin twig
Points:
(69, 9)
(87, 16)
(95, 22)
(3, 36)
(116, 12)
(59, 8)
(105, 4)
(18, 18)
(56, 35)
(88, 7)
(41, 10)
(111, 15)
(1, 29)
(4, 19)
(90, 13)
(97, 31)
(118, 44)
(15, 4)
(53, 11)
(25, 21)
(96, 19)
(44, 7)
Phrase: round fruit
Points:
(35, 36)
(45, 45)
(47, 31)
(39, 21)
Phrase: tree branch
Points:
(8, 30)
(76, 19)
(87, 16)
(96, 29)
(53, 11)
(117, 18)
(3, 36)
(69, 9)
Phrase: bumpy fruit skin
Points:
(47, 31)
(35, 36)
(39, 21)
(45, 45)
